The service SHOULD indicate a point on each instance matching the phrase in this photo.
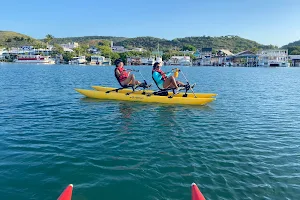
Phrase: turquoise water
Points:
(245, 145)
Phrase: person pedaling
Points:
(166, 81)
(124, 77)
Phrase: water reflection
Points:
(126, 110)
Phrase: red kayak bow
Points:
(196, 194)
(67, 193)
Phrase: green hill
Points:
(293, 47)
(292, 44)
(86, 39)
(233, 43)
(147, 43)
(13, 39)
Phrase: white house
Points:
(118, 49)
(70, 45)
(273, 58)
(180, 60)
(187, 52)
(138, 49)
(67, 49)
(94, 50)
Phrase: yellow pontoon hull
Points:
(144, 98)
(190, 95)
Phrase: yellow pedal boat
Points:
(190, 100)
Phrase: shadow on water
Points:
(138, 105)
(132, 115)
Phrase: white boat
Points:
(147, 61)
(78, 60)
(185, 61)
(100, 60)
(34, 59)
(180, 60)
(159, 59)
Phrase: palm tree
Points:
(49, 38)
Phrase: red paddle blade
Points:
(67, 193)
(196, 194)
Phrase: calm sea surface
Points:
(245, 145)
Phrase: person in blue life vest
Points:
(165, 80)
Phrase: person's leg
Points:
(129, 80)
(180, 84)
(170, 83)
(137, 82)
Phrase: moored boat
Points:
(34, 59)
(100, 60)
(78, 60)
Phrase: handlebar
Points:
(133, 70)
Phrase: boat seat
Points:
(162, 91)
(144, 85)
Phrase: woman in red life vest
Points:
(123, 76)
(164, 80)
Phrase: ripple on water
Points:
(243, 146)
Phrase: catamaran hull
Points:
(190, 95)
(144, 98)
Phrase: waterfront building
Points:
(93, 50)
(244, 58)
(118, 49)
(42, 51)
(26, 48)
(203, 57)
(220, 59)
(138, 49)
(70, 45)
(197, 54)
(134, 61)
(67, 49)
(295, 60)
(206, 55)
(273, 58)
(180, 60)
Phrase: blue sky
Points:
(265, 21)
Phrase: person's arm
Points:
(157, 77)
(118, 73)
(128, 71)
(169, 74)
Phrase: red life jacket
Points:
(123, 74)
(163, 75)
